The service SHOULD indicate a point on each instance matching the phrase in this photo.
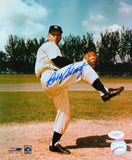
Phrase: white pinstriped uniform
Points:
(58, 90)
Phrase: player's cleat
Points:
(111, 93)
(58, 148)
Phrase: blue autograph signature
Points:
(71, 70)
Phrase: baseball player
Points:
(56, 73)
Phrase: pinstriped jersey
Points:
(46, 52)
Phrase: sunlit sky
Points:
(32, 18)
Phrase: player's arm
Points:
(61, 61)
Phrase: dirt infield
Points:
(86, 139)
(27, 87)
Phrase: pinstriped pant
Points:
(55, 85)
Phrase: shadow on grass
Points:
(96, 142)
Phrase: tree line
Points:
(114, 51)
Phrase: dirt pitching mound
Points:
(86, 139)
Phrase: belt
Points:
(53, 69)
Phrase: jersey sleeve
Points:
(52, 51)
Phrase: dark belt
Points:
(53, 69)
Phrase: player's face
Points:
(55, 37)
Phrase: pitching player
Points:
(56, 73)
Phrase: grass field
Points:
(24, 107)
(21, 107)
(28, 78)
(19, 78)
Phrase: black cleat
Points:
(58, 148)
(111, 93)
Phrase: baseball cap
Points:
(55, 28)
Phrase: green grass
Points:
(90, 106)
(22, 107)
(18, 78)
(116, 79)
(30, 78)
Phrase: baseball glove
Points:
(91, 58)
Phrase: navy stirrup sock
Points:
(99, 86)
(56, 138)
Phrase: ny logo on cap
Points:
(56, 27)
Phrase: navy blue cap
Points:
(55, 28)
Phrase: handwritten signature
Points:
(70, 71)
